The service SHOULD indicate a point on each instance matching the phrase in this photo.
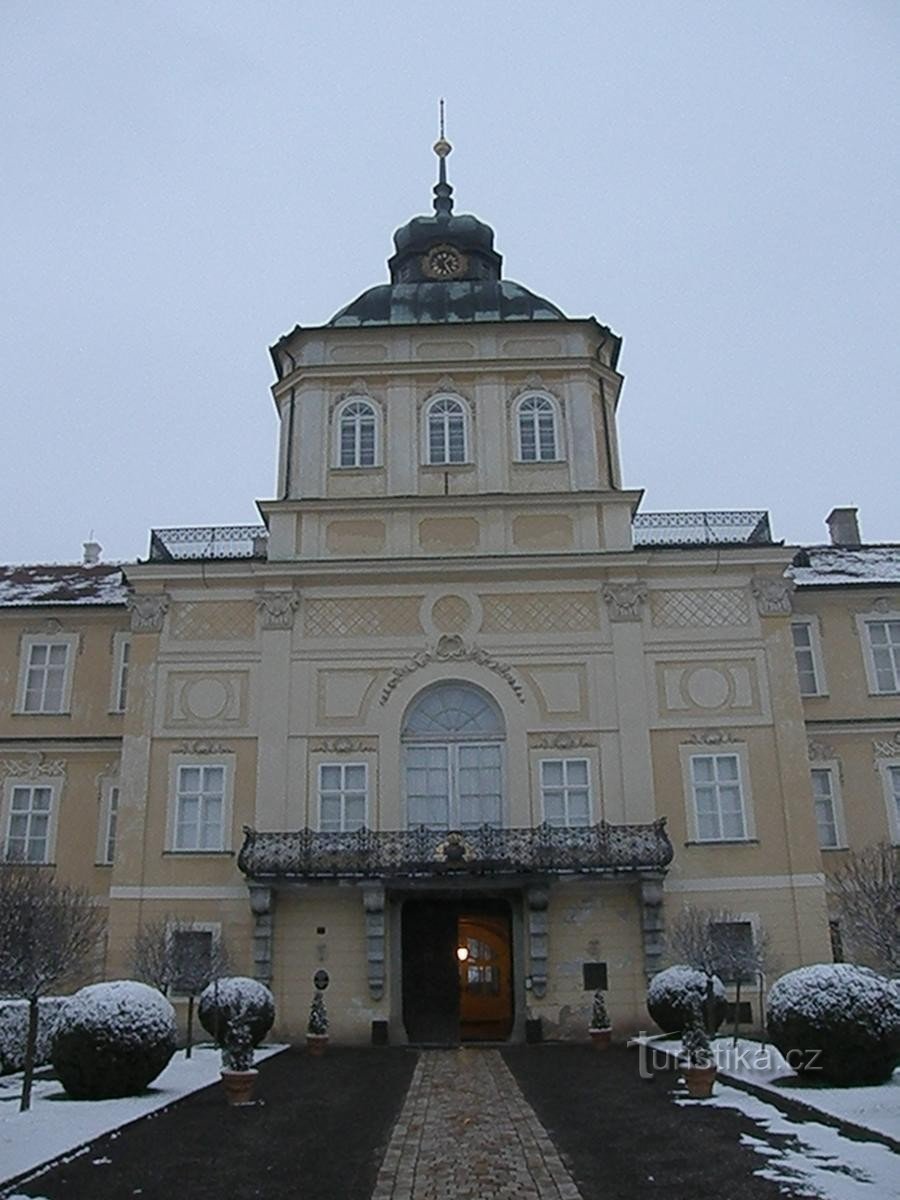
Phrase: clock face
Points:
(444, 262)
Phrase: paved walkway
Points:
(466, 1132)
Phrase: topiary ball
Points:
(238, 998)
(112, 1039)
(849, 1015)
(675, 994)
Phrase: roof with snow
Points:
(823, 566)
(67, 583)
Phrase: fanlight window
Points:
(537, 430)
(446, 431)
(357, 435)
(454, 763)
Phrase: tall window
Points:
(28, 830)
(357, 435)
(824, 800)
(45, 677)
(537, 430)
(110, 819)
(446, 431)
(565, 791)
(892, 780)
(342, 797)
(733, 943)
(121, 665)
(453, 747)
(718, 798)
(884, 643)
(806, 656)
(199, 808)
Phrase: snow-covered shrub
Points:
(837, 1022)
(599, 1012)
(14, 1031)
(318, 1016)
(112, 1039)
(675, 994)
(228, 1002)
(695, 1048)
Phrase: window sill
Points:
(749, 841)
(814, 695)
(21, 712)
(195, 853)
(540, 462)
(357, 470)
(456, 466)
(103, 864)
(831, 849)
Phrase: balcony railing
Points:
(702, 528)
(208, 541)
(411, 853)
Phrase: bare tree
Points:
(867, 894)
(174, 955)
(48, 933)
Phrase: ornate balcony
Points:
(429, 853)
(746, 528)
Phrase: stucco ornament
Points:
(35, 766)
(560, 741)
(710, 737)
(454, 848)
(889, 747)
(451, 648)
(773, 595)
(148, 612)
(276, 609)
(625, 601)
(820, 751)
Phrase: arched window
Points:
(537, 429)
(446, 431)
(453, 743)
(356, 435)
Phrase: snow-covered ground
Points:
(56, 1126)
(876, 1108)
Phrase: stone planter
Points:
(316, 1044)
(239, 1086)
(699, 1081)
(601, 1038)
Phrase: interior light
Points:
(462, 953)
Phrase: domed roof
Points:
(445, 269)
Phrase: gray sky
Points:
(183, 181)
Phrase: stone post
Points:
(652, 924)
(537, 898)
(262, 905)
(373, 903)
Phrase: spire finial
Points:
(443, 192)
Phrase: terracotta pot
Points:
(239, 1085)
(699, 1081)
(316, 1043)
(600, 1038)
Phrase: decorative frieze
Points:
(202, 746)
(276, 609)
(773, 595)
(33, 766)
(540, 612)
(212, 621)
(561, 741)
(362, 616)
(700, 607)
(820, 751)
(451, 648)
(343, 745)
(625, 601)
(888, 747)
(148, 611)
(710, 737)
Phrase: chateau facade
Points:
(459, 725)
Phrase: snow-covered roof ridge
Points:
(62, 583)
(818, 566)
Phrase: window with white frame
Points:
(825, 801)
(28, 825)
(446, 429)
(199, 818)
(191, 955)
(718, 797)
(45, 681)
(109, 820)
(734, 943)
(537, 429)
(884, 647)
(357, 435)
(566, 791)
(121, 667)
(892, 795)
(343, 789)
(808, 657)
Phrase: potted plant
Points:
(317, 1026)
(600, 1028)
(238, 1073)
(697, 1063)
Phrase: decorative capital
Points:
(276, 609)
(148, 611)
(773, 595)
(625, 601)
(261, 899)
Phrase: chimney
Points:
(843, 527)
(91, 553)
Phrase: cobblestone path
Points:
(466, 1132)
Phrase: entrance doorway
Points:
(457, 971)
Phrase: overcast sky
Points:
(182, 182)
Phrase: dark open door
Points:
(430, 972)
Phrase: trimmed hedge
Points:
(675, 994)
(237, 998)
(14, 1031)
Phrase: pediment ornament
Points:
(451, 648)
